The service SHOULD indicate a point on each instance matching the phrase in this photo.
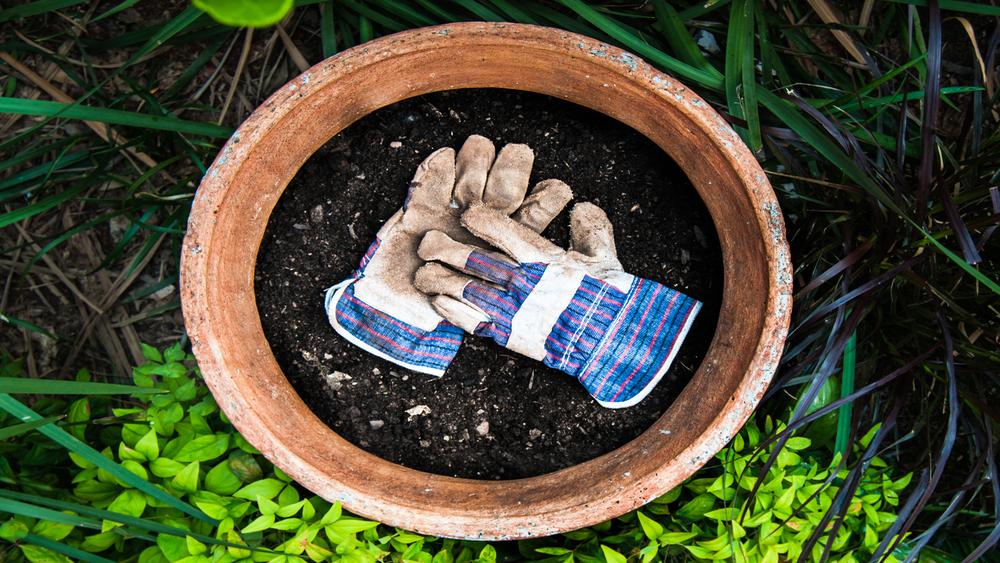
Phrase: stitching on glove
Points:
(575, 315)
(584, 324)
(613, 329)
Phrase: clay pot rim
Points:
(207, 306)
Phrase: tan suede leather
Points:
(443, 187)
(592, 250)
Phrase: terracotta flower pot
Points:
(231, 210)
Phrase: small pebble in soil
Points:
(316, 214)
(419, 410)
(483, 428)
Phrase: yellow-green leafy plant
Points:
(171, 480)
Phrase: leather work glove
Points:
(577, 311)
(378, 309)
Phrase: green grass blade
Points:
(17, 429)
(846, 411)
(957, 6)
(328, 34)
(550, 16)
(438, 11)
(44, 169)
(73, 553)
(406, 12)
(112, 116)
(809, 133)
(69, 551)
(875, 103)
(481, 12)
(636, 45)
(365, 30)
(981, 277)
(749, 80)
(71, 443)
(149, 289)
(871, 86)
(191, 71)
(740, 79)
(11, 506)
(701, 8)
(24, 385)
(43, 205)
(35, 8)
(34, 152)
(887, 142)
(178, 24)
(374, 16)
(513, 12)
(14, 321)
(114, 10)
(677, 35)
(772, 66)
(129, 521)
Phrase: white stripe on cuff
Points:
(533, 322)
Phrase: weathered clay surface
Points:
(235, 199)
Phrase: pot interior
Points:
(495, 414)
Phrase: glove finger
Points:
(508, 179)
(471, 169)
(491, 266)
(591, 232)
(390, 225)
(519, 242)
(433, 181)
(459, 313)
(435, 279)
(547, 200)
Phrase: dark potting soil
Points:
(495, 414)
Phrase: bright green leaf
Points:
(221, 479)
(148, 446)
(246, 13)
(13, 530)
(203, 448)
(261, 523)
(265, 488)
(612, 556)
(187, 479)
(650, 527)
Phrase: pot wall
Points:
(237, 195)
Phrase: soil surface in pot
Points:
(495, 414)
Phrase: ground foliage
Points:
(204, 494)
(876, 123)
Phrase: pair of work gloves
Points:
(465, 254)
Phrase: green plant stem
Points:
(846, 411)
